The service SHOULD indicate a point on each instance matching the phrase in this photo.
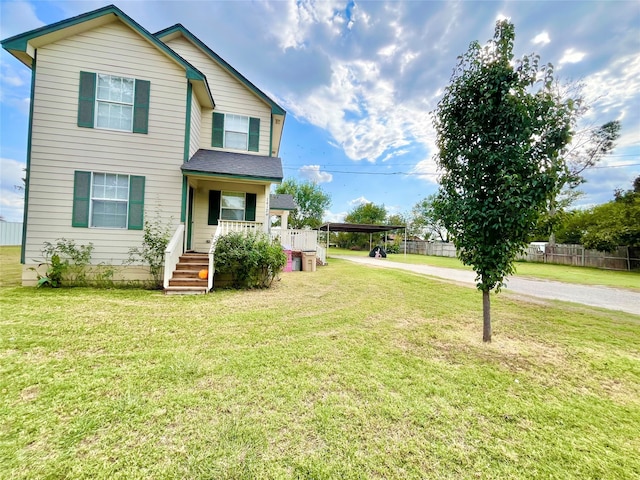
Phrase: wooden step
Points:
(192, 265)
(185, 279)
(184, 273)
(188, 282)
(185, 290)
(194, 258)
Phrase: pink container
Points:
(289, 265)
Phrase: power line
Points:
(347, 172)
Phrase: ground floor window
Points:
(108, 200)
(232, 206)
(224, 205)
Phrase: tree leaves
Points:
(499, 141)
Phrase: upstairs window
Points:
(237, 132)
(113, 102)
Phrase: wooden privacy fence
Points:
(624, 258)
(422, 247)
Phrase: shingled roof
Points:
(231, 164)
(282, 201)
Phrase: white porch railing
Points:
(172, 254)
(321, 253)
(225, 227)
(228, 226)
(303, 240)
(212, 265)
(296, 239)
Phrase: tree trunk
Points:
(552, 214)
(486, 316)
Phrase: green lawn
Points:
(560, 273)
(345, 373)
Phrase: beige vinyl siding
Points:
(196, 123)
(230, 95)
(202, 231)
(60, 147)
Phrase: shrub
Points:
(251, 259)
(392, 248)
(66, 262)
(155, 239)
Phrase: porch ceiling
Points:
(236, 165)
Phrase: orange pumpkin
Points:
(204, 273)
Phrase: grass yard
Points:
(345, 373)
(559, 273)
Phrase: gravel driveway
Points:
(596, 296)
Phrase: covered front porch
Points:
(189, 264)
(226, 192)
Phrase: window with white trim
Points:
(236, 131)
(114, 102)
(232, 206)
(109, 200)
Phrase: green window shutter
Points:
(141, 106)
(136, 202)
(217, 132)
(81, 199)
(86, 99)
(250, 209)
(254, 134)
(214, 206)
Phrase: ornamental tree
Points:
(426, 223)
(500, 134)
(365, 213)
(312, 201)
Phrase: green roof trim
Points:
(275, 108)
(229, 175)
(27, 175)
(20, 42)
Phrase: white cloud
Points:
(359, 201)
(395, 154)
(388, 51)
(426, 170)
(12, 173)
(294, 28)
(613, 94)
(338, 217)
(313, 174)
(571, 55)
(11, 199)
(18, 17)
(541, 39)
(15, 85)
(385, 124)
(11, 77)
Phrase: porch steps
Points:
(185, 279)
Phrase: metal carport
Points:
(362, 228)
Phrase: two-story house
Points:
(126, 125)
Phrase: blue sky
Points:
(359, 80)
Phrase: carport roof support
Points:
(362, 228)
(359, 227)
